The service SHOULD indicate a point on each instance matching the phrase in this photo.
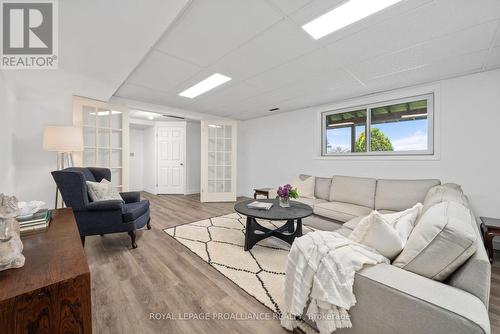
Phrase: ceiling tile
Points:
(289, 6)
(162, 72)
(281, 43)
(227, 95)
(464, 42)
(327, 83)
(444, 68)
(145, 94)
(307, 66)
(210, 29)
(493, 58)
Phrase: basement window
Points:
(397, 127)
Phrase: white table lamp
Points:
(64, 140)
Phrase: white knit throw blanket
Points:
(321, 268)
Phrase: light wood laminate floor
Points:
(163, 277)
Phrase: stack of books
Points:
(39, 222)
(260, 205)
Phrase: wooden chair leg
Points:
(82, 238)
(149, 224)
(132, 236)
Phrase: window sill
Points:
(377, 157)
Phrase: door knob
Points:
(182, 164)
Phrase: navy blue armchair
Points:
(102, 217)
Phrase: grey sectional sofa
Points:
(391, 299)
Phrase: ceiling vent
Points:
(171, 116)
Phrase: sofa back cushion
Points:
(443, 239)
(399, 195)
(322, 188)
(354, 190)
(446, 192)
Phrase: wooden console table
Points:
(51, 293)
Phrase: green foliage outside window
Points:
(379, 142)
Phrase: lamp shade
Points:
(63, 139)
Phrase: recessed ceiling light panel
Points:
(204, 86)
(344, 15)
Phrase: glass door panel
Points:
(218, 161)
(105, 134)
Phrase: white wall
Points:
(7, 116)
(274, 148)
(193, 157)
(136, 162)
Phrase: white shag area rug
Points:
(219, 242)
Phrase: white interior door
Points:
(171, 146)
(218, 161)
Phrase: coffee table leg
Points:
(248, 234)
(298, 231)
(290, 225)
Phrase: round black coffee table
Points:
(288, 232)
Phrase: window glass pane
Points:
(116, 119)
(89, 136)
(89, 115)
(116, 139)
(103, 118)
(103, 138)
(89, 157)
(399, 127)
(345, 132)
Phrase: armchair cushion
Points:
(112, 204)
(132, 211)
(131, 196)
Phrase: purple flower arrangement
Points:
(287, 191)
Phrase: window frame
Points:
(368, 107)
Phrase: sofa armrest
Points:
(131, 196)
(105, 205)
(413, 303)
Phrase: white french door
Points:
(105, 138)
(171, 145)
(218, 161)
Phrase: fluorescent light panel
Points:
(412, 116)
(340, 124)
(344, 15)
(209, 83)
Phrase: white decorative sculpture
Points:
(11, 246)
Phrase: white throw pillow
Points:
(102, 191)
(387, 233)
(305, 185)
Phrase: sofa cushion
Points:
(320, 223)
(322, 188)
(132, 211)
(387, 233)
(354, 190)
(399, 195)
(341, 211)
(446, 192)
(309, 201)
(305, 185)
(443, 239)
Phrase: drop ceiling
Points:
(273, 63)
